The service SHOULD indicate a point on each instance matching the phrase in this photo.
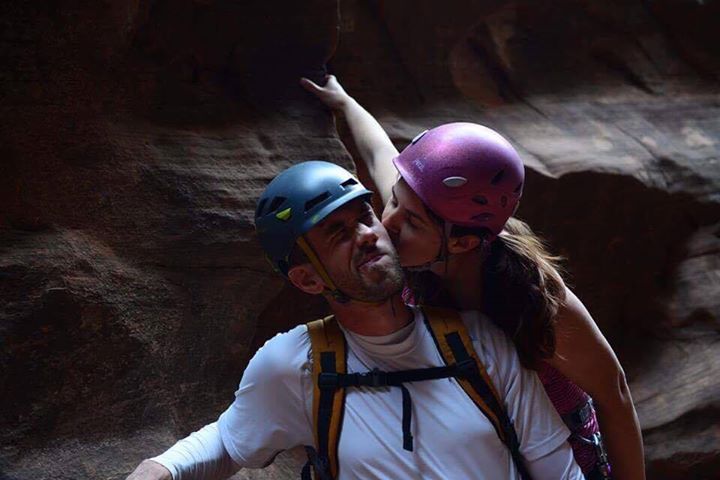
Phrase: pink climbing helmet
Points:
(467, 174)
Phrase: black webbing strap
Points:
(508, 433)
(321, 467)
(406, 419)
(319, 460)
(376, 379)
(329, 381)
(328, 355)
(305, 472)
(325, 411)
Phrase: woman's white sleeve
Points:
(201, 455)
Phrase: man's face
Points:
(357, 253)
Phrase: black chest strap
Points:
(461, 363)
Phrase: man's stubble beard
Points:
(390, 281)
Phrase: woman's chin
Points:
(410, 263)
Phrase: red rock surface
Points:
(137, 135)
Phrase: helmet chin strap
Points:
(442, 255)
(337, 294)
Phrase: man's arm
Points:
(269, 415)
(201, 455)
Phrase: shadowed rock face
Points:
(137, 135)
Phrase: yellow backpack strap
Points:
(329, 359)
(455, 346)
(446, 327)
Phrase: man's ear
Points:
(306, 279)
(463, 244)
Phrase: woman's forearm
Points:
(620, 428)
(374, 146)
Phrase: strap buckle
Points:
(374, 378)
(467, 368)
(328, 381)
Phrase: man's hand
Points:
(332, 94)
(149, 470)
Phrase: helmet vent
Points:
(518, 188)
(480, 200)
(260, 207)
(348, 182)
(276, 203)
(310, 204)
(498, 177)
(454, 182)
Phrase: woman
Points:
(467, 251)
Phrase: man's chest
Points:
(451, 437)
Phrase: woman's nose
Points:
(390, 220)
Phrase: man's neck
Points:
(373, 319)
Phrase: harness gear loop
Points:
(577, 420)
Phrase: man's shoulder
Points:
(481, 328)
(285, 352)
(491, 343)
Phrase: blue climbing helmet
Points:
(295, 201)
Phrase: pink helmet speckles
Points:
(467, 174)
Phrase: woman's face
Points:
(415, 234)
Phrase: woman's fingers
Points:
(331, 94)
(331, 80)
(309, 85)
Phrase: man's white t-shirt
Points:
(272, 410)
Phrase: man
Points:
(316, 225)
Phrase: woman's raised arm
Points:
(376, 149)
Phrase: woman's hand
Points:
(375, 149)
(331, 94)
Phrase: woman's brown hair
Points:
(522, 289)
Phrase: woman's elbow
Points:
(617, 394)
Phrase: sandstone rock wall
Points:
(136, 136)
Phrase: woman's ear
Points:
(306, 279)
(464, 243)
